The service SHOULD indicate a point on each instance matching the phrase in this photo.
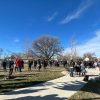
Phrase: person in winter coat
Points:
(11, 66)
(4, 65)
(30, 63)
(83, 71)
(39, 64)
(19, 64)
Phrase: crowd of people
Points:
(77, 66)
(12, 64)
(18, 64)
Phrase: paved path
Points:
(58, 89)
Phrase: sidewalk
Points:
(58, 89)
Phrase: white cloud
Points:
(50, 18)
(16, 40)
(92, 45)
(83, 6)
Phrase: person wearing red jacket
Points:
(19, 64)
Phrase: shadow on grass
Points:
(24, 91)
(10, 86)
(91, 91)
(1, 70)
(73, 86)
(1, 76)
(48, 97)
(92, 86)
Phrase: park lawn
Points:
(91, 91)
(28, 78)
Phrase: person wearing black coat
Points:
(30, 63)
(4, 64)
(11, 66)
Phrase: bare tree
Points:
(28, 48)
(89, 55)
(73, 43)
(46, 47)
(30, 53)
(1, 51)
(15, 54)
(67, 56)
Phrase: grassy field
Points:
(28, 78)
(91, 91)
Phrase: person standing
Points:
(30, 63)
(19, 64)
(22, 64)
(35, 63)
(65, 63)
(45, 63)
(4, 64)
(83, 71)
(11, 66)
(71, 71)
(50, 63)
(39, 64)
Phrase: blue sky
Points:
(26, 20)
